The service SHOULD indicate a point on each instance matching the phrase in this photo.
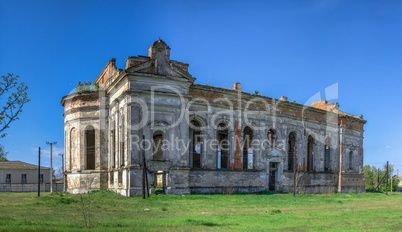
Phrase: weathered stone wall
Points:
(309, 182)
(227, 181)
(85, 181)
(156, 95)
(353, 182)
(179, 181)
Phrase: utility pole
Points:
(390, 177)
(294, 171)
(387, 174)
(340, 159)
(39, 172)
(143, 168)
(62, 162)
(378, 177)
(145, 187)
(51, 164)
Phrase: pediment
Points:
(163, 68)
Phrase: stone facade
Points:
(202, 139)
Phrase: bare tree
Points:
(86, 203)
(13, 96)
(59, 173)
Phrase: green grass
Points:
(243, 212)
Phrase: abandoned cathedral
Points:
(150, 126)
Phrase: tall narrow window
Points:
(310, 153)
(41, 178)
(113, 146)
(120, 177)
(111, 178)
(117, 143)
(247, 148)
(66, 143)
(157, 146)
(291, 151)
(73, 148)
(351, 160)
(327, 154)
(8, 178)
(271, 137)
(195, 144)
(122, 140)
(90, 147)
(223, 146)
(23, 178)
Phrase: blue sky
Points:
(292, 48)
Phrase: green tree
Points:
(370, 177)
(372, 174)
(3, 154)
(13, 96)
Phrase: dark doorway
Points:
(273, 167)
(90, 147)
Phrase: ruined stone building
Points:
(202, 139)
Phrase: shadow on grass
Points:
(239, 193)
(202, 223)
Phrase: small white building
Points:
(18, 176)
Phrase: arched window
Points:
(247, 148)
(90, 147)
(310, 153)
(223, 146)
(113, 144)
(195, 144)
(291, 151)
(67, 153)
(271, 137)
(157, 146)
(327, 154)
(73, 147)
(351, 160)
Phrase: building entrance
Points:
(273, 169)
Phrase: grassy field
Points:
(252, 212)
